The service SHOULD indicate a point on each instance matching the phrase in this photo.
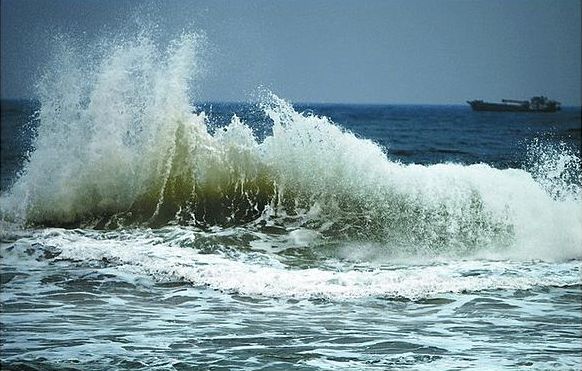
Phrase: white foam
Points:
(267, 276)
(121, 133)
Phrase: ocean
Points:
(142, 229)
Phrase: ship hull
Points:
(502, 107)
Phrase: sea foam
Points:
(120, 144)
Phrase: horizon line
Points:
(309, 102)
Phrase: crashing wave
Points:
(119, 144)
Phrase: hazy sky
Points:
(436, 51)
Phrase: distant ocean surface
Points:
(143, 231)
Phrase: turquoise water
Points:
(125, 300)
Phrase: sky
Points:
(389, 52)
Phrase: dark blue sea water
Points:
(142, 230)
(425, 134)
(429, 134)
(295, 292)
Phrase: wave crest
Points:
(119, 144)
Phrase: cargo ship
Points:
(535, 104)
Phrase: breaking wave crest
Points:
(119, 144)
